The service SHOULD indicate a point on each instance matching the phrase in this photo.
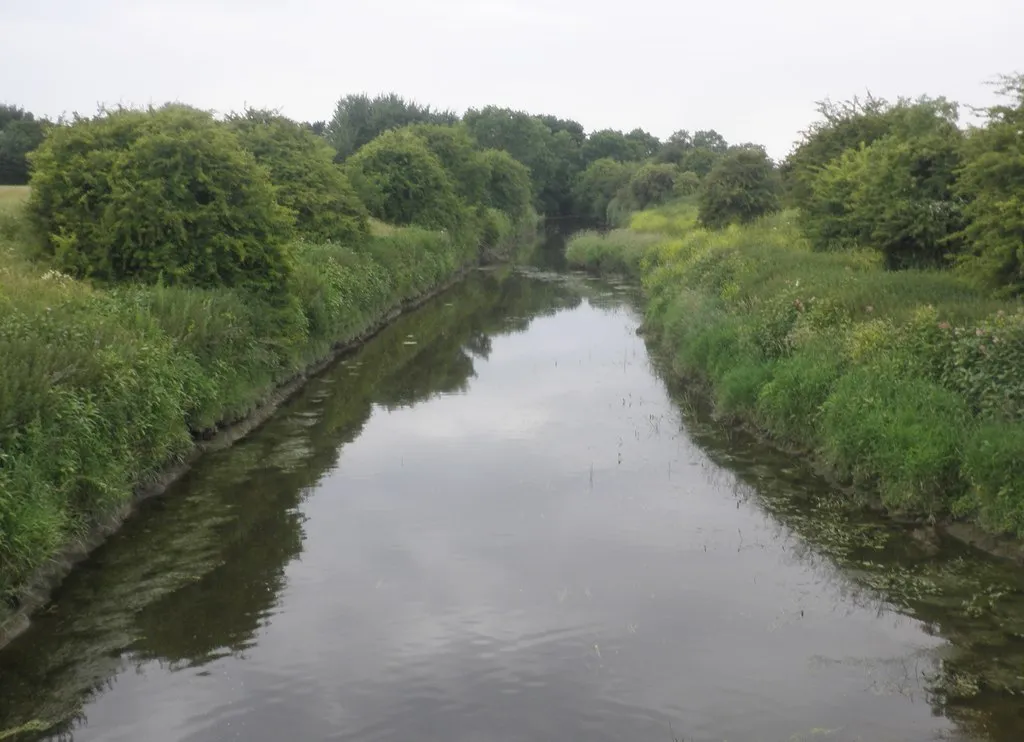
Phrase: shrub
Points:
(403, 182)
(652, 184)
(895, 195)
(687, 183)
(742, 187)
(596, 186)
(301, 166)
(159, 195)
(507, 186)
(992, 185)
(457, 153)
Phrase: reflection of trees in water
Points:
(974, 602)
(194, 577)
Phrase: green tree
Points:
(647, 145)
(992, 185)
(165, 194)
(358, 119)
(457, 151)
(614, 145)
(402, 182)
(741, 187)
(596, 186)
(507, 186)
(20, 133)
(652, 184)
(895, 195)
(308, 181)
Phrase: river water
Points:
(496, 521)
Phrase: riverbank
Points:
(113, 393)
(904, 383)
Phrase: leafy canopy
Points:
(308, 182)
(742, 186)
(164, 194)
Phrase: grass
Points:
(908, 382)
(103, 387)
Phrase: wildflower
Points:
(944, 325)
(869, 308)
(979, 332)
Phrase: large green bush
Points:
(652, 185)
(507, 186)
(992, 185)
(895, 196)
(457, 151)
(402, 182)
(301, 166)
(164, 194)
(596, 186)
(741, 187)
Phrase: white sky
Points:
(750, 68)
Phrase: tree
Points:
(164, 194)
(301, 166)
(20, 133)
(992, 185)
(646, 145)
(614, 145)
(528, 139)
(358, 119)
(852, 124)
(652, 184)
(457, 151)
(402, 182)
(895, 195)
(742, 186)
(507, 186)
(598, 185)
(710, 140)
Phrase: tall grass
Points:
(909, 382)
(102, 388)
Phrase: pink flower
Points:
(944, 325)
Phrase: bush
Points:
(596, 186)
(743, 186)
(687, 183)
(158, 195)
(992, 185)
(457, 153)
(652, 185)
(507, 186)
(895, 195)
(403, 182)
(301, 166)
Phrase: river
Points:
(496, 521)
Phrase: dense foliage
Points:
(742, 186)
(20, 133)
(895, 194)
(991, 184)
(359, 119)
(401, 181)
(308, 182)
(163, 194)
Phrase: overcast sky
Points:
(750, 68)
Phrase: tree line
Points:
(903, 178)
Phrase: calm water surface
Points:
(495, 522)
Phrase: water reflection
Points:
(492, 522)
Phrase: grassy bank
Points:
(102, 387)
(909, 382)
